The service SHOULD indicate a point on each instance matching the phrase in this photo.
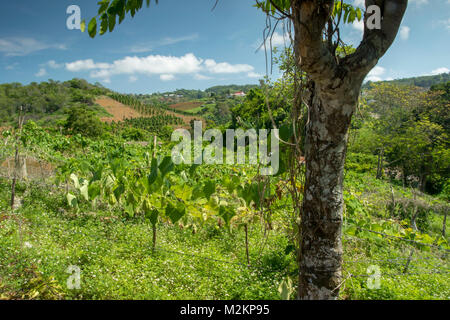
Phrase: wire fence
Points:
(407, 262)
(404, 239)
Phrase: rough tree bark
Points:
(380, 164)
(332, 98)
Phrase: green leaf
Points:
(183, 192)
(285, 289)
(103, 6)
(193, 168)
(97, 175)
(286, 132)
(75, 180)
(92, 28)
(83, 25)
(112, 22)
(84, 190)
(175, 213)
(104, 24)
(129, 209)
(359, 14)
(150, 212)
(119, 191)
(209, 188)
(227, 213)
(94, 191)
(166, 166)
(153, 173)
(72, 200)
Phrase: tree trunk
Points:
(380, 164)
(154, 237)
(321, 220)
(422, 182)
(404, 177)
(336, 83)
(23, 168)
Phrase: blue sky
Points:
(183, 44)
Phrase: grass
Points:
(116, 260)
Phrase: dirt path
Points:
(118, 110)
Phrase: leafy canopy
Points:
(110, 10)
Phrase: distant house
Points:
(239, 94)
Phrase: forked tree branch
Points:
(376, 42)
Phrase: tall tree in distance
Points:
(332, 91)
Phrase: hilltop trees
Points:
(407, 127)
(332, 91)
(42, 99)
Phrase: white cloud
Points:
(41, 73)
(280, 39)
(254, 75)
(167, 77)
(276, 40)
(12, 66)
(376, 74)
(83, 65)
(199, 76)
(167, 67)
(419, 2)
(224, 67)
(133, 79)
(146, 47)
(404, 32)
(24, 46)
(358, 25)
(359, 3)
(440, 71)
(445, 23)
(52, 64)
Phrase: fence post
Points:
(405, 270)
(445, 221)
(393, 200)
(154, 146)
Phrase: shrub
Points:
(81, 120)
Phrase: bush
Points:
(81, 120)
(133, 134)
(405, 208)
(361, 162)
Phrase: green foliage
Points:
(40, 101)
(253, 112)
(82, 121)
(121, 192)
(423, 82)
(407, 126)
(111, 10)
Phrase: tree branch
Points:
(309, 18)
(375, 42)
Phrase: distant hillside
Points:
(224, 90)
(423, 82)
(45, 100)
